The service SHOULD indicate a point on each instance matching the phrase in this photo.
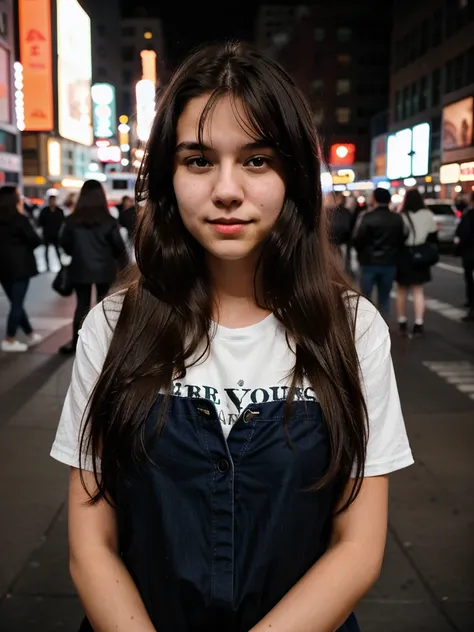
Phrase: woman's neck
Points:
(233, 284)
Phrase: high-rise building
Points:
(432, 84)
(10, 153)
(138, 35)
(339, 55)
(105, 40)
(274, 25)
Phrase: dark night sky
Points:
(187, 26)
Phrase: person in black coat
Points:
(91, 236)
(465, 249)
(50, 221)
(18, 240)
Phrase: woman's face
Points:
(230, 195)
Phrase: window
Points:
(414, 97)
(344, 34)
(319, 34)
(128, 53)
(459, 72)
(398, 106)
(318, 116)
(425, 37)
(450, 76)
(344, 60)
(423, 94)
(436, 87)
(317, 86)
(343, 115)
(406, 102)
(343, 86)
(101, 30)
(128, 31)
(437, 28)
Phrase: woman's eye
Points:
(258, 162)
(198, 161)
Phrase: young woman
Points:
(18, 241)
(420, 225)
(238, 404)
(91, 236)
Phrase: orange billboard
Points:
(36, 56)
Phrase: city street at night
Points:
(426, 584)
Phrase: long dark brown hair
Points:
(91, 207)
(166, 313)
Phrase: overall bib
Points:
(215, 532)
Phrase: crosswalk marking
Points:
(459, 374)
(440, 307)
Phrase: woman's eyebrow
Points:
(194, 146)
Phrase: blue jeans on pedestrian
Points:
(16, 293)
(381, 277)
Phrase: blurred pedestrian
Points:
(378, 239)
(465, 249)
(69, 204)
(50, 221)
(92, 238)
(226, 392)
(340, 227)
(18, 240)
(128, 216)
(416, 260)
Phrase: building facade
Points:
(339, 57)
(55, 55)
(10, 149)
(432, 71)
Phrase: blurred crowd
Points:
(383, 245)
(92, 243)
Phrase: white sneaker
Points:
(34, 339)
(14, 346)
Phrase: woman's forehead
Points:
(226, 120)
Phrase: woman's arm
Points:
(30, 236)
(323, 598)
(107, 592)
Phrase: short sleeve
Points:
(388, 448)
(92, 347)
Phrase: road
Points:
(427, 583)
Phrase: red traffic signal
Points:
(342, 155)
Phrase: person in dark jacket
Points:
(128, 216)
(465, 249)
(50, 221)
(18, 240)
(378, 239)
(91, 236)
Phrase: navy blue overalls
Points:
(216, 532)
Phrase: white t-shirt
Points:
(422, 224)
(250, 366)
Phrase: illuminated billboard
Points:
(408, 152)
(74, 72)
(457, 124)
(103, 110)
(36, 57)
(145, 92)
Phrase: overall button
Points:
(223, 466)
(249, 415)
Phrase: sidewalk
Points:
(427, 583)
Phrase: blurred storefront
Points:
(55, 55)
(457, 170)
(10, 153)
